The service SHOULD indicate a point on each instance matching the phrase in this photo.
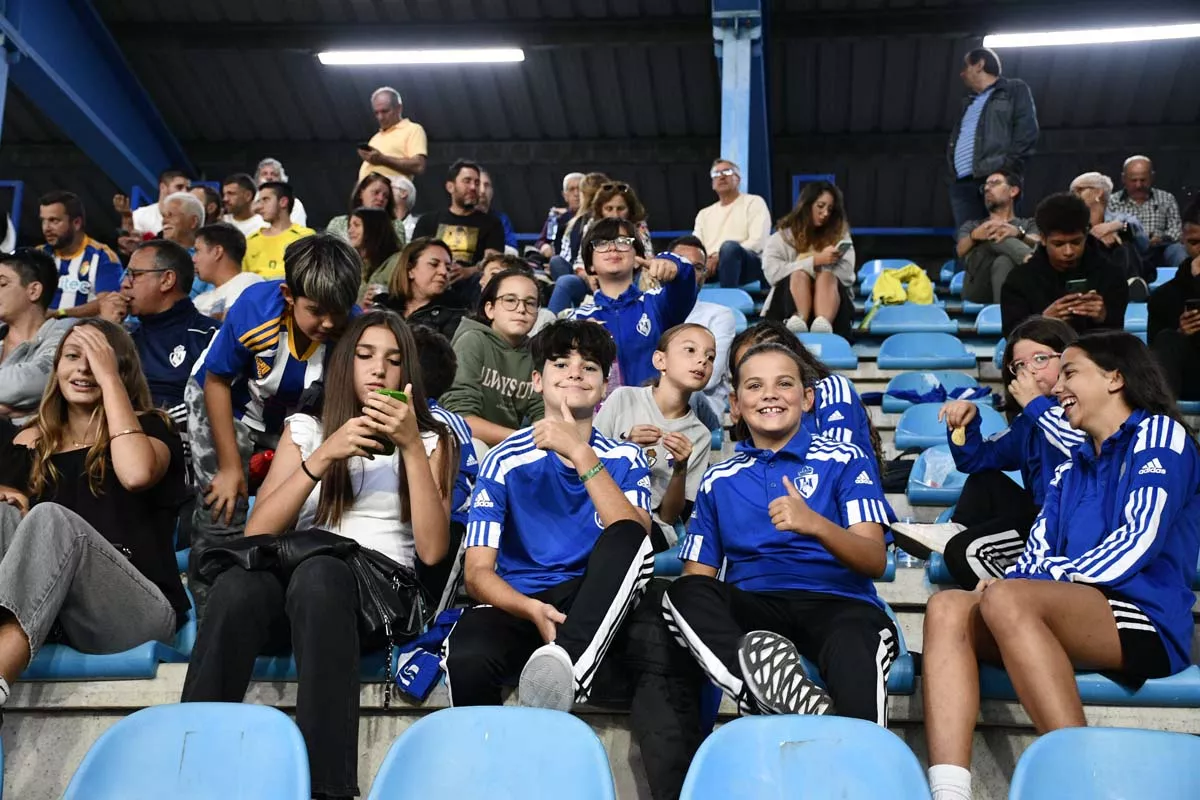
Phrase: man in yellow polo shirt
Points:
(399, 147)
(264, 247)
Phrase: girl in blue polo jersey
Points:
(796, 521)
(1105, 580)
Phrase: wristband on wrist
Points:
(311, 477)
(591, 473)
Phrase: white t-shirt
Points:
(299, 215)
(373, 519)
(220, 299)
(246, 226)
(723, 326)
(148, 219)
(628, 406)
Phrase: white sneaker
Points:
(796, 325)
(820, 325)
(921, 540)
(548, 680)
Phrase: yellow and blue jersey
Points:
(91, 270)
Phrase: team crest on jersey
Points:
(643, 326)
(806, 481)
(261, 368)
(178, 355)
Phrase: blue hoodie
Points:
(1036, 442)
(637, 319)
(1127, 521)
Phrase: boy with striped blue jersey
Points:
(796, 523)
(558, 549)
(1105, 580)
(269, 350)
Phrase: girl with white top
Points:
(330, 473)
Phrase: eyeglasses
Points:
(1035, 364)
(510, 302)
(132, 274)
(718, 173)
(622, 244)
(991, 185)
(617, 187)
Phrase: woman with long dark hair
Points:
(374, 239)
(330, 473)
(418, 286)
(91, 492)
(991, 521)
(1105, 582)
(809, 262)
(373, 191)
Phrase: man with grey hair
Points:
(270, 170)
(404, 193)
(549, 243)
(399, 147)
(1157, 210)
(734, 229)
(183, 215)
(1123, 239)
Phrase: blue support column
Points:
(68, 65)
(739, 35)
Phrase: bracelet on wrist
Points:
(591, 473)
(125, 432)
(311, 477)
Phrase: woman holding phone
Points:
(809, 262)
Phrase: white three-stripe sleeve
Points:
(1058, 431)
(1044, 531)
(702, 543)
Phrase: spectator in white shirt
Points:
(238, 192)
(218, 256)
(734, 229)
(719, 320)
(147, 221)
(271, 171)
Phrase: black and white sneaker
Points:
(775, 677)
(1139, 291)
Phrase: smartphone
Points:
(1192, 305)
(843, 246)
(1077, 286)
(389, 446)
(364, 146)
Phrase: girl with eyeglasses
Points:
(991, 522)
(493, 388)
(1105, 582)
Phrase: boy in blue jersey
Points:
(270, 348)
(438, 366)
(558, 549)
(636, 319)
(1105, 581)
(796, 521)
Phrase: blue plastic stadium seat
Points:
(878, 265)
(514, 752)
(919, 426)
(920, 493)
(889, 571)
(191, 751)
(947, 272)
(936, 571)
(667, 563)
(372, 667)
(730, 298)
(911, 318)
(718, 438)
(751, 287)
(956, 283)
(998, 353)
(1136, 317)
(922, 382)
(61, 662)
(970, 308)
(924, 351)
(1181, 690)
(181, 559)
(1079, 763)
(832, 349)
(987, 322)
(1189, 407)
(1164, 274)
(740, 323)
(804, 756)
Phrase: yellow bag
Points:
(907, 284)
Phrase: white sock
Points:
(949, 782)
(4, 690)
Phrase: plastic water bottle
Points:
(552, 226)
(907, 560)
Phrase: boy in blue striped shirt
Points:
(796, 523)
(558, 549)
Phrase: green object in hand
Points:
(389, 446)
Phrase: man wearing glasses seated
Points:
(734, 229)
(988, 249)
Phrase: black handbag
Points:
(391, 601)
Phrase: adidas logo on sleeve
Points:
(482, 500)
(1152, 467)
(836, 416)
(864, 479)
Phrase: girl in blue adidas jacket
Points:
(994, 513)
(1105, 580)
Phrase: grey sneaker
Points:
(796, 324)
(775, 677)
(548, 679)
(821, 325)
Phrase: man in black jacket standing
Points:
(996, 131)
(1173, 327)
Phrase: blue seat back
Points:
(922, 381)
(919, 425)
(1101, 763)
(924, 351)
(878, 265)
(987, 323)
(956, 283)
(730, 298)
(1190, 407)
(1164, 274)
(191, 751)
(804, 756)
(1136, 317)
(740, 323)
(946, 274)
(910, 318)
(496, 752)
(832, 349)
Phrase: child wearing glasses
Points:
(493, 388)
(636, 319)
(991, 522)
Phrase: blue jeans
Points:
(736, 265)
(569, 291)
(966, 202)
(1174, 254)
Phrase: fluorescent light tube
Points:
(1148, 33)
(461, 55)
